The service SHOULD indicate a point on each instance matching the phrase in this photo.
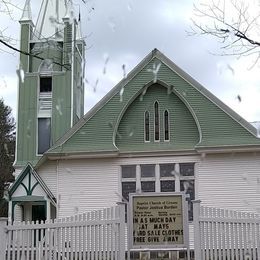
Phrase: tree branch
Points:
(66, 66)
(237, 30)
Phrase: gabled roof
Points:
(178, 81)
(28, 169)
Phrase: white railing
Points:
(95, 235)
(225, 234)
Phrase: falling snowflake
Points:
(121, 94)
(106, 57)
(155, 71)
(124, 70)
(20, 74)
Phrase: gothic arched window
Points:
(146, 126)
(156, 122)
(166, 126)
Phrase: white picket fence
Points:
(95, 235)
(225, 234)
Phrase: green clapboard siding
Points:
(26, 135)
(183, 130)
(61, 105)
(197, 118)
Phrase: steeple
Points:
(49, 23)
(27, 12)
(51, 94)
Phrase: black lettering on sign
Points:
(160, 226)
(153, 239)
(143, 226)
(154, 232)
(171, 239)
(139, 239)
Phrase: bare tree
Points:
(234, 23)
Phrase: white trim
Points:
(177, 177)
(166, 110)
(146, 111)
(157, 178)
(72, 70)
(120, 180)
(196, 179)
(158, 121)
(53, 73)
(138, 178)
(29, 47)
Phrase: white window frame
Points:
(157, 178)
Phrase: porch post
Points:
(48, 210)
(196, 223)
(3, 236)
(10, 213)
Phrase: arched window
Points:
(156, 122)
(146, 126)
(166, 125)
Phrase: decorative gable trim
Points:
(143, 91)
(57, 149)
(29, 170)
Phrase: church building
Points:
(157, 130)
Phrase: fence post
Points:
(3, 237)
(121, 230)
(196, 223)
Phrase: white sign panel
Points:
(158, 220)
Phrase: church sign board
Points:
(158, 220)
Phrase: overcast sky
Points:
(124, 31)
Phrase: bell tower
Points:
(51, 73)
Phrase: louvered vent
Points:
(45, 101)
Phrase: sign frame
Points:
(162, 246)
